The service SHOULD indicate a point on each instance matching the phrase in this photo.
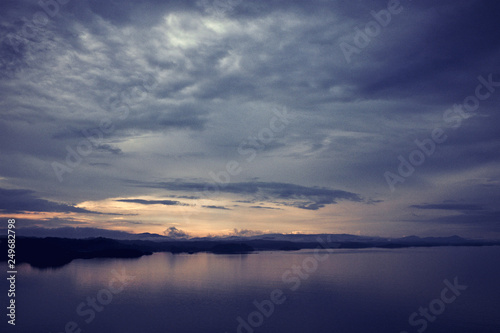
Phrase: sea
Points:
(439, 289)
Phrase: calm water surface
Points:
(349, 291)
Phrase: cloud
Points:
(109, 148)
(303, 197)
(263, 207)
(50, 223)
(190, 197)
(216, 207)
(175, 233)
(189, 85)
(245, 232)
(469, 216)
(154, 202)
(21, 200)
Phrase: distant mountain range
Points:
(82, 233)
(42, 247)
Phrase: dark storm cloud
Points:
(152, 120)
(422, 61)
(447, 40)
(310, 198)
(154, 202)
(17, 201)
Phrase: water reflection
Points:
(351, 291)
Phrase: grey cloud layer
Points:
(311, 198)
(17, 201)
(154, 202)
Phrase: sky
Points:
(246, 117)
